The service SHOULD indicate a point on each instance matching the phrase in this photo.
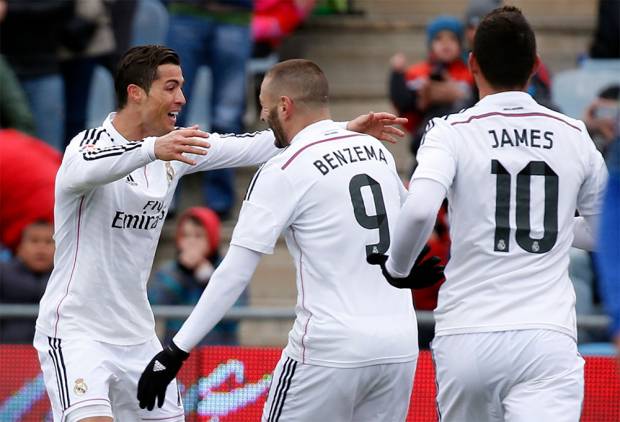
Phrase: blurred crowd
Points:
(49, 52)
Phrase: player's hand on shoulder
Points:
(379, 125)
(175, 144)
(160, 371)
(425, 272)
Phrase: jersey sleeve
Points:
(437, 156)
(230, 150)
(268, 208)
(590, 197)
(85, 167)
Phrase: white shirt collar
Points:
(315, 128)
(109, 127)
(507, 98)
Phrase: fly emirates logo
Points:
(153, 213)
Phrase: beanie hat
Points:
(478, 9)
(444, 23)
(209, 220)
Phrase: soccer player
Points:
(95, 331)
(514, 173)
(335, 194)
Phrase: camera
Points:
(437, 72)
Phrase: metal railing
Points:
(425, 318)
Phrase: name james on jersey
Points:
(525, 137)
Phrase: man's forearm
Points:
(226, 285)
(415, 225)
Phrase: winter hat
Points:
(209, 220)
(444, 23)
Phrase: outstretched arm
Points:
(87, 166)
(226, 285)
(415, 224)
(379, 125)
(224, 288)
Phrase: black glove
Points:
(157, 375)
(424, 273)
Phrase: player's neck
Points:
(128, 124)
(485, 89)
(303, 121)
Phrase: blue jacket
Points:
(608, 256)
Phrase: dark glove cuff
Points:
(174, 351)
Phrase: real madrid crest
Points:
(80, 387)
(169, 172)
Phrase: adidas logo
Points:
(158, 366)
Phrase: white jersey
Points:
(112, 196)
(515, 173)
(336, 195)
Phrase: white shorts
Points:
(101, 379)
(310, 393)
(512, 376)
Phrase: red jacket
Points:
(457, 70)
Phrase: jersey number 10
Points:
(522, 211)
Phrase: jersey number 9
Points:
(377, 221)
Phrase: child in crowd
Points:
(24, 277)
(439, 85)
(181, 281)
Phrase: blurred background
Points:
(56, 80)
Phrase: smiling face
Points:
(163, 102)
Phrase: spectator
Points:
(14, 110)
(23, 279)
(272, 21)
(439, 85)
(122, 13)
(217, 34)
(181, 281)
(27, 171)
(608, 256)
(606, 43)
(31, 36)
(601, 117)
(88, 41)
(275, 19)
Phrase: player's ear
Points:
(473, 63)
(135, 93)
(286, 106)
(536, 65)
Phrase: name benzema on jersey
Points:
(339, 157)
(153, 212)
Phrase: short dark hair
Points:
(611, 92)
(300, 79)
(138, 66)
(505, 48)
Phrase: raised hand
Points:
(378, 125)
(173, 145)
(425, 272)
